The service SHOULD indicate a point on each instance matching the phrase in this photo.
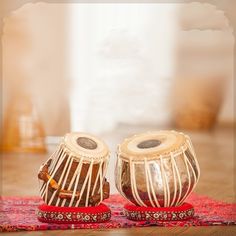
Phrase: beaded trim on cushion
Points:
(137, 213)
(73, 215)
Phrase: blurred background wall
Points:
(86, 71)
(34, 62)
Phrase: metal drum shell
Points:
(161, 181)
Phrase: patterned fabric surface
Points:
(18, 213)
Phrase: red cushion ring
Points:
(73, 215)
(139, 213)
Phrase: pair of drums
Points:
(154, 169)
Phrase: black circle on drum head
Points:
(86, 143)
(151, 143)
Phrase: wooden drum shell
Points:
(76, 173)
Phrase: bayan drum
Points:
(157, 171)
(74, 181)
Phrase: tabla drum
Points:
(156, 169)
(74, 176)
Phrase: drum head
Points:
(86, 145)
(150, 145)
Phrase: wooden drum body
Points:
(156, 169)
(74, 176)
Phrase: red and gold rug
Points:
(19, 213)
